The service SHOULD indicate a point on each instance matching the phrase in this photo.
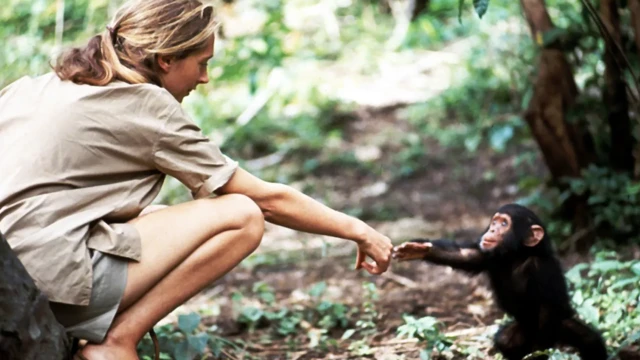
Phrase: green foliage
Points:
(476, 124)
(481, 6)
(427, 330)
(614, 199)
(245, 56)
(187, 340)
(606, 295)
(29, 29)
(366, 324)
(319, 316)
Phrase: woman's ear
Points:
(537, 234)
(165, 62)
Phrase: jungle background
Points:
(421, 118)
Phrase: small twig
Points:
(477, 318)
(472, 331)
(573, 239)
(266, 161)
(400, 279)
(397, 342)
(227, 354)
(275, 78)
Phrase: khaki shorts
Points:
(93, 321)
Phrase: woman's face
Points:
(181, 76)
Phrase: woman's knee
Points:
(247, 216)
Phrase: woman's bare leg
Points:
(184, 249)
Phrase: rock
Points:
(28, 328)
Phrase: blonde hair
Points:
(140, 31)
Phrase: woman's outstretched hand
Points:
(378, 247)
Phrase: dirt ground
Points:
(429, 204)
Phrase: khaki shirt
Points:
(78, 161)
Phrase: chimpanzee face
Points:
(512, 228)
(497, 231)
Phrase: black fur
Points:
(528, 283)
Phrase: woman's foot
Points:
(108, 350)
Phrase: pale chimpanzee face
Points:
(498, 229)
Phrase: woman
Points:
(85, 150)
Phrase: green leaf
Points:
(428, 322)
(188, 323)
(606, 266)
(526, 98)
(198, 342)
(573, 275)
(252, 314)
(184, 352)
(481, 7)
(460, 4)
(347, 334)
(268, 297)
(253, 81)
(318, 289)
(624, 282)
(633, 189)
(216, 347)
(425, 354)
(577, 297)
(549, 36)
(499, 136)
(472, 142)
(636, 268)
(613, 316)
(589, 312)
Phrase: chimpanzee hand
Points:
(411, 251)
(376, 246)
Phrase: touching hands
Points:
(411, 251)
(376, 246)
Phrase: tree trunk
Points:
(562, 144)
(28, 328)
(615, 92)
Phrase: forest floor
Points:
(448, 195)
(441, 200)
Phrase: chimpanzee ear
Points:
(537, 233)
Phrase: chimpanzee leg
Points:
(511, 341)
(585, 339)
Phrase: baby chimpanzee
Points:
(527, 280)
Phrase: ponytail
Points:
(98, 63)
(141, 31)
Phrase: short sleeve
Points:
(12, 85)
(184, 152)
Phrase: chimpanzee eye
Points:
(504, 223)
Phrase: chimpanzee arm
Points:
(547, 284)
(465, 255)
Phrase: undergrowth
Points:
(605, 293)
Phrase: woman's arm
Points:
(286, 206)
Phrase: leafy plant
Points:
(613, 198)
(606, 295)
(427, 330)
(186, 340)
